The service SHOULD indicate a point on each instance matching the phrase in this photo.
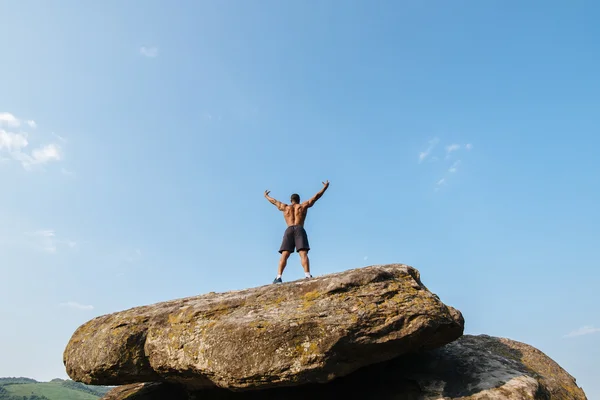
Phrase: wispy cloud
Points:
(454, 166)
(133, 256)
(431, 144)
(77, 306)
(39, 156)
(45, 233)
(46, 153)
(150, 52)
(46, 240)
(14, 145)
(7, 119)
(451, 148)
(584, 330)
(62, 139)
(67, 172)
(12, 142)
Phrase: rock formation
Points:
(470, 368)
(276, 335)
(373, 332)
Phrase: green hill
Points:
(56, 389)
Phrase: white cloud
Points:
(441, 182)
(14, 146)
(12, 141)
(9, 120)
(468, 146)
(47, 153)
(454, 166)
(150, 52)
(41, 155)
(451, 148)
(423, 155)
(77, 306)
(584, 330)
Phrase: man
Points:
(295, 235)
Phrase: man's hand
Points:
(326, 184)
(267, 193)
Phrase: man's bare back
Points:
(295, 214)
(295, 235)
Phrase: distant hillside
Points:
(56, 389)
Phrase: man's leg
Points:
(305, 262)
(287, 247)
(283, 262)
(301, 241)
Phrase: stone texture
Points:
(485, 367)
(471, 368)
(308, 331)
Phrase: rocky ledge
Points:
(297, 333)
(470, 368)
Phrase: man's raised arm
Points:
(317, 196)
(280, 206)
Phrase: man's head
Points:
(295, 198)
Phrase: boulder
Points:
(471, 368)
(295, 333)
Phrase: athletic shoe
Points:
(277, 280)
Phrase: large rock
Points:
(471, 368)
(308, 331)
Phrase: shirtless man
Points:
(295, 235)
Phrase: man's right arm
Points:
(317, 196)
(280, 206)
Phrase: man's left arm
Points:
(280, 206)
(311, 202)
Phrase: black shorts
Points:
(294, 236)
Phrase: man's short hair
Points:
(295, 198)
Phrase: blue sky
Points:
(137, 139)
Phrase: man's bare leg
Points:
(282, 263)
(305, 262)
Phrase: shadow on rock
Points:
(472, 367)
